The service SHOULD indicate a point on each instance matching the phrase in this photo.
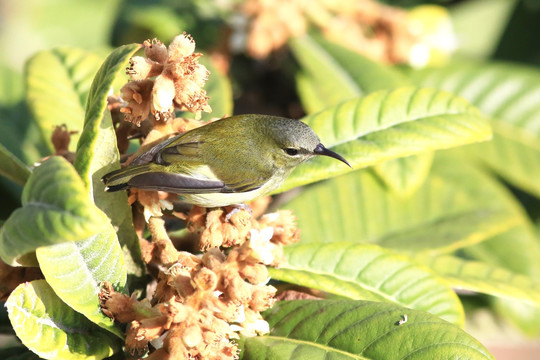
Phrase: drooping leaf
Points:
(57, 84)
(389, 124)
(97, 154)
(17, 132)
(13, 168)
(369, 272)
(508, 93)
(52, 329)
(480, 41)
(336, 73)
(323, 329)
(56, 209)
(484, 278)
(76, 270)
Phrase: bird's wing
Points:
(186, 171)
(189, 153)
(176, 183)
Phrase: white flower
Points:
(261, 246)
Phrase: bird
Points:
(225, 162)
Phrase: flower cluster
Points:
(201, 304)
(197, 305)
(382, 32)
(166, 79)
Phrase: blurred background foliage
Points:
(500, 177)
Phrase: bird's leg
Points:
(236, 208)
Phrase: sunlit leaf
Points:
(357, 207)
(484, 278)
(52, 329)
(56, 209)
(97, 154)
(369, 272)
(331, 74)
(76, 271)
(57, 83)
(389, 124)
(509, 94)
(323, 329)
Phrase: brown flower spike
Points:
(165, 80)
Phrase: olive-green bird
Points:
(228, 161)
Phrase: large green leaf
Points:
(52, 329)
(331, 74)
(369, 272)
(357, 207)
(326, 329)
(97, 154)
(75, 270)
(484, 278)
(57, 84)
(509, 94)
(56, 209)
(389, 124)
(13, 168)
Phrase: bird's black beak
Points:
(321, 150)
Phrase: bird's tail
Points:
(119, 179)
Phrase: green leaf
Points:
(326, 65)
(57, 83)
(508, 93)
(18, 133)
(336, 73)
(13, 168)
(89, 151)
(389, 124)
(525, 317)
(405, 175)
(97, 154)
(56, 209)
(480, 41)
(329, 329)
(52, 329)
(516, 250)
(460, 230)
(219, 89)
(369, 272)
(484, 278)
(361, 209)
(75, 270)
(331, 74)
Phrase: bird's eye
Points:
(291, 151)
